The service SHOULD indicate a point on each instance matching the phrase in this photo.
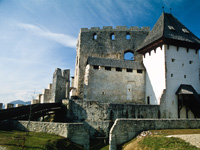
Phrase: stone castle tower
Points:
(171, 58)
(105, 43)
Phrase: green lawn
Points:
(157, 140)
(14, 140)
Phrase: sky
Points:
(38, 36)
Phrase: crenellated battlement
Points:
(118, 28)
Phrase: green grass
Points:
(157, 143)
(105, 148)
(14, 140)
(157, 140)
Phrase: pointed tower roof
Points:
(168, 30)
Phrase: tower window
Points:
(139, 71)
(94, 36)
(190, 62)
(108, 68)
(129, 70)
(172, 75)
(148, 100)
(119, 69)
(128, 55)
(185, 76)
(112, 36)
(128, 37)
(96, 67)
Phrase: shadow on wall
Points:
(12, 125)
(94, 115)
(150, 92)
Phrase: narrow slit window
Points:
(119, 69)
(139, 71)
(128, 36)
(129, 70)
(185, 76)
(172, 75)
(108, 68)
(148, 100)
(173, 60)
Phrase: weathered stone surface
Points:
(34, 101)
(111, 86)
(98, 43)
(60, 85)
(9, 106)
(19, 105)
(99, 117)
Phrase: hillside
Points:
(158, 139)
(20, 102)
(16, 140)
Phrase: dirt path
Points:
(193, 139)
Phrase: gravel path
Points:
(193, 139)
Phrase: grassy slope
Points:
(157, 141)
(14, 140)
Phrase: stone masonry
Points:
(105, 43)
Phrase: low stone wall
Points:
(99, 117)
(124, 130)
(76, 132)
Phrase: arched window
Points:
(94, 36)
(128, 36)
(128, 55)
(112, 36)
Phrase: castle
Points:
(160, 79)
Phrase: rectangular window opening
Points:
(172, 75)
(139, 71)
(129, 70)
(119, 69)
(185, 76)
(173, 60)
(108, 68)
(95, 67)
(190, 62)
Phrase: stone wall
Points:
(111, 86)
(123, 130)
(60, 85)
(76, 132)
(99, 117)
(98, 42)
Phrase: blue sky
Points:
(37, 36)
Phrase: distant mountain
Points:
(20, 102)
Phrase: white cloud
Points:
(65, 40)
